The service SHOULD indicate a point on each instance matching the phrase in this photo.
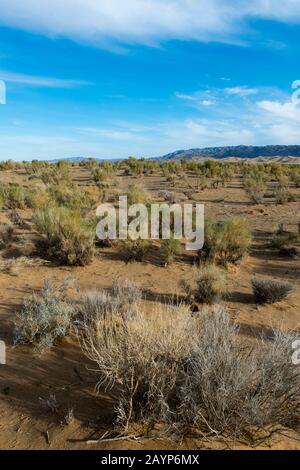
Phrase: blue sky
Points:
(145, 77)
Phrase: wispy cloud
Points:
(241, 91)
(46, 82)
(113, 23)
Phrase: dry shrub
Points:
(45, 317)
(13, 196)
(125, 293)
(135, 250)
(170, 248)
(55, 174)
(141, 357)
(98, 303)
(37, 198)
(75, 198)
(285, 243)
(206, 285)
(6, 234)
(255, 187)
(194, 373)
(68, 239)
(12, 266)
(168, 196)
(226, 242)
(235, 390)
(268, 291)
(283, 195)
(137, 195)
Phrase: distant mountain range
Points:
(240, 151)
(282, 153)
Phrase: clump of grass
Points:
(125, 293)
(44, 318)
(226, 242)
(206, 285)
(135, 250)
(70, 196)
(98, 303)
(170, 248)
(13, 196)
(68, 239)
(285, 243)
(268, 291)
(137, 195)
(37, 198)
(6, 234)
(283, 195)
(255, 187)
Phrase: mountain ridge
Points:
(239, 151)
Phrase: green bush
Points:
(13, 196)
(135, 250)
(170, 248)
(137, 195)
(37, 198)
(268, 291)
(68, 239)
(206, 285)
(226, 242)
(255, 187)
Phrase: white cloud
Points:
(286, 111)
(241, 91)
(183, 96)
(46, 82)
(208, 102)
(199, 98)
(112, 23)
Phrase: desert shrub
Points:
(142, 357)
(66, 195)
(99, 175)
(37, 198)
(170, 248)
(285, 242)
(255, 187)
(13, 196)
(169, 196)
(45, 318)
(268, 291)
(126, 293)
(70, 196)
(226, 242)
(55, 174)
(68, 239)
(6, 233)
(135, 250)
(283, 195)
(206, 284)
(137, 195)
(233, 389)
(98, 303)
(194, 374)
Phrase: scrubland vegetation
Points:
(183, 362)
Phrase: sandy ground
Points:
(64, 372)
